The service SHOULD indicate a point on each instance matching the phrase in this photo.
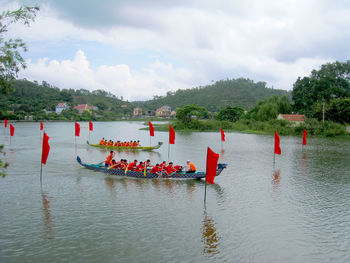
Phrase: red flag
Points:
(277, 144)
(212, 163)
(151, 129)
(41, 126)
(304, 137)
(46, 148)
(12, 130)
(5, 123)
(171, 135)
(77, 129)
(91, 126)
(222, 135)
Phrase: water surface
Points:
(295, 211)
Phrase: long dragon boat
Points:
(180, 175)
(123, 148)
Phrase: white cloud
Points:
(157, 78)
(271, 41)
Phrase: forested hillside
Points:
(223, 93)
(31, 98)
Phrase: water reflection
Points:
(210, 237)
(111, 184)
(160, 184)
(303, 164)
(47, 216)
(276, 180)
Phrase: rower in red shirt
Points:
(155, 169)
(132, 165)
(170, 169)
(140, 167)
(163, 165)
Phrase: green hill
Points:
(31, 98)
(235, 92)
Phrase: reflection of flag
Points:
(91, 126)
(222, 135)
(151, 129)
(77, 129)
(171, 135)
(304, 137)
(212, 163)
(12, 130)
(277, 144)
(46, 148)
(41, 126)
(5, 123)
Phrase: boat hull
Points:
(116, 172)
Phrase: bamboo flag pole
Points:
(168, 152)
(205, 190)
(41, 172)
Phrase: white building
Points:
(61, 106)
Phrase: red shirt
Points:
(169, 169)
(177, 167)
(139, 168)
(155, 169)
(131, 166)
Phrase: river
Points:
(296, 210)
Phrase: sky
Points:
(137, 49)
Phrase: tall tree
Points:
(11, 60)
(230, 113)
(188, 112)
(330, 82)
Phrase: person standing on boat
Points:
(109, 158)
(191, 167)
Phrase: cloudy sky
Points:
(140, 48)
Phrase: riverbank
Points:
(284, 128)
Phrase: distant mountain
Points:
(235, 92)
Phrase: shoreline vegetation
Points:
(314, 127)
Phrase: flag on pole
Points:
(212, 163)
(77, 129)
(41, 126)
(222, 135)
(12, 130)
(171, 135)
(277, 144)
(151, 129)
(91, 126)
(5, 123)
(46, 148)
(304, 137)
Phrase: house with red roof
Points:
(294, 118)
(61, 107)
(85, 107)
